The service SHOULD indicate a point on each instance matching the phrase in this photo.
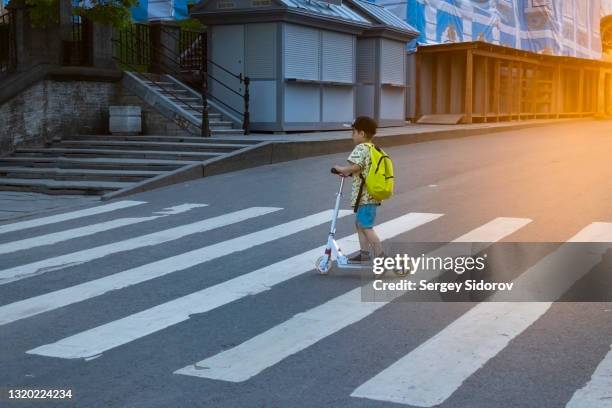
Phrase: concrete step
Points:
(188, 99)
(211, 119)
(158, 138)
(227, 132)
(96, 163)
(199, 108)
(170, 90)
(184, 103)
(198, 113)
(169, 147)
(56, 173)
(116, 153)
(157, 83)
(49, 186)
(220, 124)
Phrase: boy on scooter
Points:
(364, 129)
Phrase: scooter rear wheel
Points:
(323, 264)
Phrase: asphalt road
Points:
(160, 301)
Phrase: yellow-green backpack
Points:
(379, 180)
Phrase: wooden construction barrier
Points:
(482, 82)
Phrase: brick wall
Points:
(51, 109)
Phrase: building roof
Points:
(383, 16)
(360, 15)
(342, 12)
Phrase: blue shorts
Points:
(366, 215)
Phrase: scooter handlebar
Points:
(334, 171)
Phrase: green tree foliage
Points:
(43, 13)
(112, 12)
(192, 24)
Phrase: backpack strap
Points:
(359, 193)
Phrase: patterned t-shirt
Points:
(361, 157)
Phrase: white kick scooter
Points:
(324, 263)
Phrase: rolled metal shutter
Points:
(302, 52)
(338, 54)
(393, 55)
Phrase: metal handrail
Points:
(245, 96)
(239, 76)
(160, 85)
(189, 52)
(225, 86)
(178, 39)
(170, 62)
(209, 95)
(206, 75)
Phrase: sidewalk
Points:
(415, 130)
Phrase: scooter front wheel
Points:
(323, 264)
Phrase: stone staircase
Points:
(103, 164)
(181, 104)
(97, 165)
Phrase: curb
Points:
(271, 152)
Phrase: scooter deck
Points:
(355, 265)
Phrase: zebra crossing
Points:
(61, 236)
(304, 329)
(76, 258)
(485, 331)
(416, 379)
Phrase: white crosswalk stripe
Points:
(87, 290)
(425, 378)
(155, 238)
(253, 356)
(53, 219)
(99, 339)
(56, 237)
(598, 391)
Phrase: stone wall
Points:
(50, 109)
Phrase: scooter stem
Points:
(336, 208)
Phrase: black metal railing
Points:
(133, 46)
(244, 80)
(192, 45)
(136, 50)
(199, 53)
(76, 51)
(130, 52)
(8, 57)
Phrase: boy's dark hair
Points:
(366, 124)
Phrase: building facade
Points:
(312, 65)
(556, 27)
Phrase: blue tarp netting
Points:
(560, 27)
